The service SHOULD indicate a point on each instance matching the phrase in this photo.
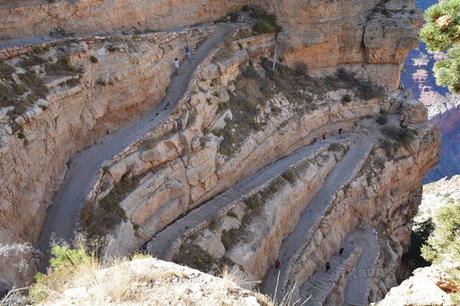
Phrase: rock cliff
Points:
(84, 90)
(318, 162)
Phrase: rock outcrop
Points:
(314, 164)
(39, 17)
(154, 282)
(371, 37)
(428, 286)
(105, 84)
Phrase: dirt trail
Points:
(357, 290)
(165, 241)
(68, 201)
(312, 215)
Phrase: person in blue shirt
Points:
(187, 53)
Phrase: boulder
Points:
(220, 122)
(210, 241)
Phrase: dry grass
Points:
(77, 278)
(152, 282)
(68, 268)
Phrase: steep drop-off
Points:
(251, 164)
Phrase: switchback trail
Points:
(63, 213)
(311, 216)
(164, 242)
(357, 290)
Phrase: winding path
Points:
(321, 284)
(312, 215)
(63, 213)
(165, 242)
(357, 290)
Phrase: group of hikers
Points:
(328, 264)
(323, 137)
(187, 58)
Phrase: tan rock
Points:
(163, 151)
(413, 112)
(210, 241)
(227, 223)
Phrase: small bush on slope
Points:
(444, 242)
(65, 265)
(266, 23)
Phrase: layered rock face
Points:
(253, 164)
(39, 17)
(356, 34)
(370, 37)
(190, 159)
(207, 147)
(120, 78)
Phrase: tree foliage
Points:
(440, 33)
(445, 239)
(444, 243)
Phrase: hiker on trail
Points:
(328, 266)
(176, 65)
(187, 53)
(277, 264)
(324, 136)
(340, 133)
(341, 251)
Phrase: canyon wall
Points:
(198, 154)
(113, 88)
(371, 37)
(237, 119)
(40, 17)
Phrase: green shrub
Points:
(40, 49)
(254, 202)
(230, 238)
(62, 67)
(108, 214)
(401, 136)
(194, 257)
(265, 23)
(300, 68)
(93, 59)
(382, 119)
(264, 26)
(234, 16)
(112, 48)
(447, 72)
(246, 8)
(335, 147)
(442, 32)
(346, 99)
(290, 176)
(346, 79)
(6, 70)
(444, 242)
(31, 61)
(65, 264)
(34, 83)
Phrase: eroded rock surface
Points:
(177, 188)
